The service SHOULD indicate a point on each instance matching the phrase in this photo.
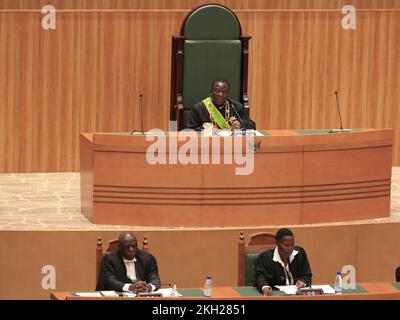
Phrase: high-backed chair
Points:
(112, 245)
(248, 253)
(210, 46)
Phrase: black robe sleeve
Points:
(198, 116)
(108, 279)
(398, 274)
(151, 272)
(304, 270)
(264, 271)
(247, 122)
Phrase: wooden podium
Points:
(299, 177)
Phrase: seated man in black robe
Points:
(218, 109)
(128, 268)
(287, 264)
(398, 274)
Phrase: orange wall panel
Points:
(86, 76)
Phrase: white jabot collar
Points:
(129, 261)
(277, 257)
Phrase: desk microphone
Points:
(141, 115)
(141, 112)
(239, 117)
(340, 117)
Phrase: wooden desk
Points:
(376, 291)
(299, 177)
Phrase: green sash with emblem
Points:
(215, 115)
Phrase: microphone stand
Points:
(340, 118)
(141, 116)
(239, 117)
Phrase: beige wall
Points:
(87, 74)
(186, 257)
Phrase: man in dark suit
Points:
(220, 110)
(128, 268)
(287, 264)
(398, 274)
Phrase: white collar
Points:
(277, 257)
(128, 261)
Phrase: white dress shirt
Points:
(131, 274)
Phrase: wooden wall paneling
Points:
(189, 4)
(346, 244)
(88, 73)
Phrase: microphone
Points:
(141, 115)
(338, 106)
(239, 117)
(141, 112)
(340, 117)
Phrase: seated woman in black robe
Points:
(287, 264)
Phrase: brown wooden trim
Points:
(99, 257)
(176, 108)
(145, 244)
(241, 260)
(245, 72)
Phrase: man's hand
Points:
(300, 284)
(267, 292)
(139, 286)
(236, 125)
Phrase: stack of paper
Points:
(326, 288)
(290, 290)
(109, 293)
(129, 294)
(88, 294)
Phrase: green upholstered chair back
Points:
(248, 254)
(205, 61)
(212, 49)
(249, 273)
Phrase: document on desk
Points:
(167, 292)
(109, 294)
(291, 290)
(88, 294)
(248, 132)
(129, 294)
(325, 287)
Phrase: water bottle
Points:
(208, 287)
(338, 283)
